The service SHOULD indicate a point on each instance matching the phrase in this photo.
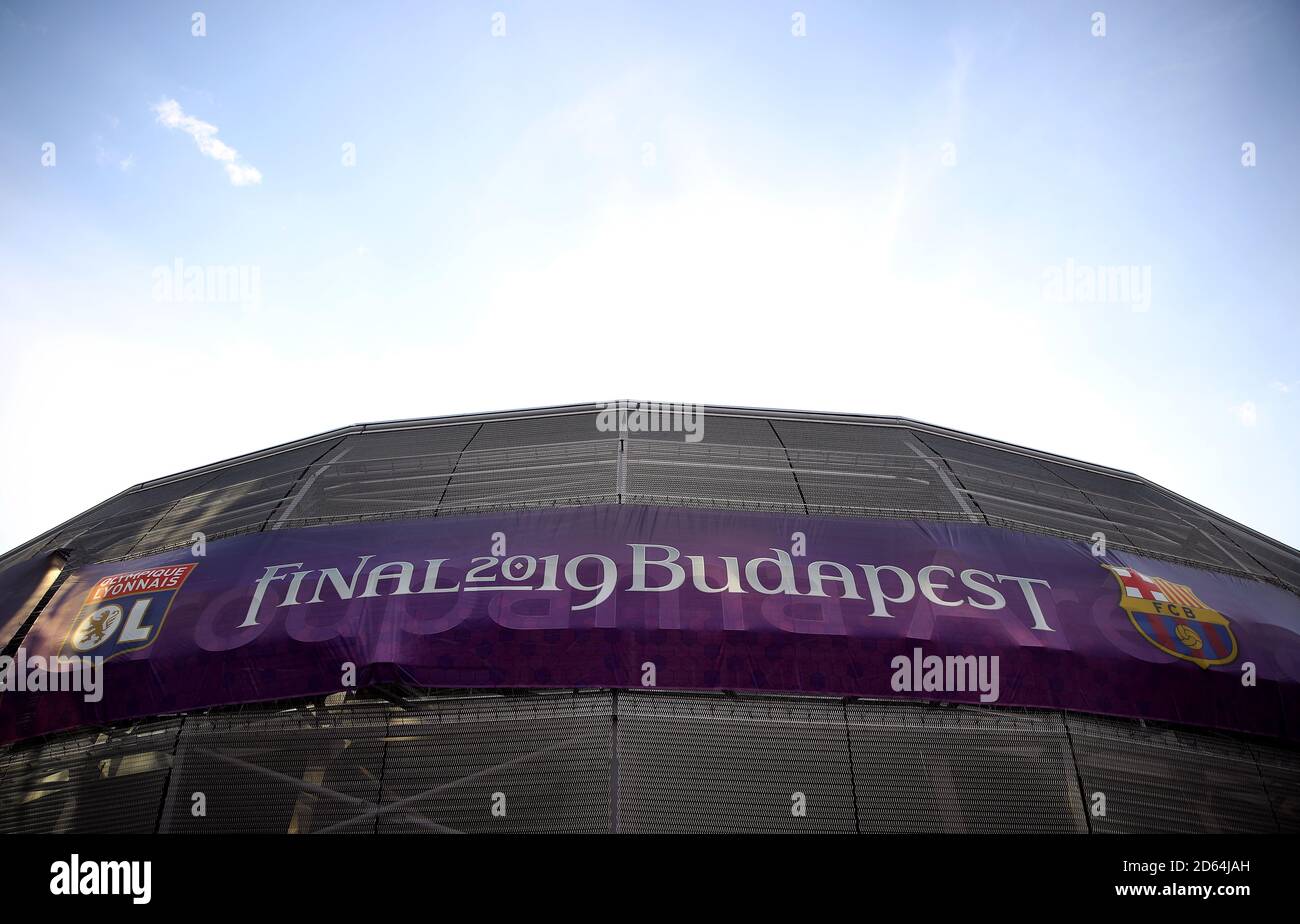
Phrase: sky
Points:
(425, 209)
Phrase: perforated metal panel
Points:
(746, 460)
(348, 489)
(735, 462)
(715, 430)
(854, 439)
(115, 528)
(395, 443)
(377, 473)
(926, 769)
(712, 763)
(88, 783)
(681, 473)
(670, 762)
(684, 763)
(570, 473)
(241, 498)
(1152, 521)
(262, 770)
(1017, 491)
(499, 764)
(1279, 770)
(1169, 780)
(23, 583)
(539, 431)
(891, 485)
(1263, 556)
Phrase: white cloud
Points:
(243, 174)
(1285, 387)
(170, 114)
(1247, 413)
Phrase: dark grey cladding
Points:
(396, 759)
(800, 462)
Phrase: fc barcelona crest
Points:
(1175, 620)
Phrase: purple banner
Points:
(679, 599)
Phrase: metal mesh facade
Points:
(542, 763)
(93, 782)
(267, 771)
(746, 459)
(962, 770)
(643, 762)
(1170, 780)
(733, 764)
(646, 761)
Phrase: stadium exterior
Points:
(626, 715)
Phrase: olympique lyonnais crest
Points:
(125, 612)
(1175, 620)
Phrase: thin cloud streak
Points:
(171, 115)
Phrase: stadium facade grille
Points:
(400, 758)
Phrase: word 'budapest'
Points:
(653, 569)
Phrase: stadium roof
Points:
(749, 458)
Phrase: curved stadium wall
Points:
(731, 750)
